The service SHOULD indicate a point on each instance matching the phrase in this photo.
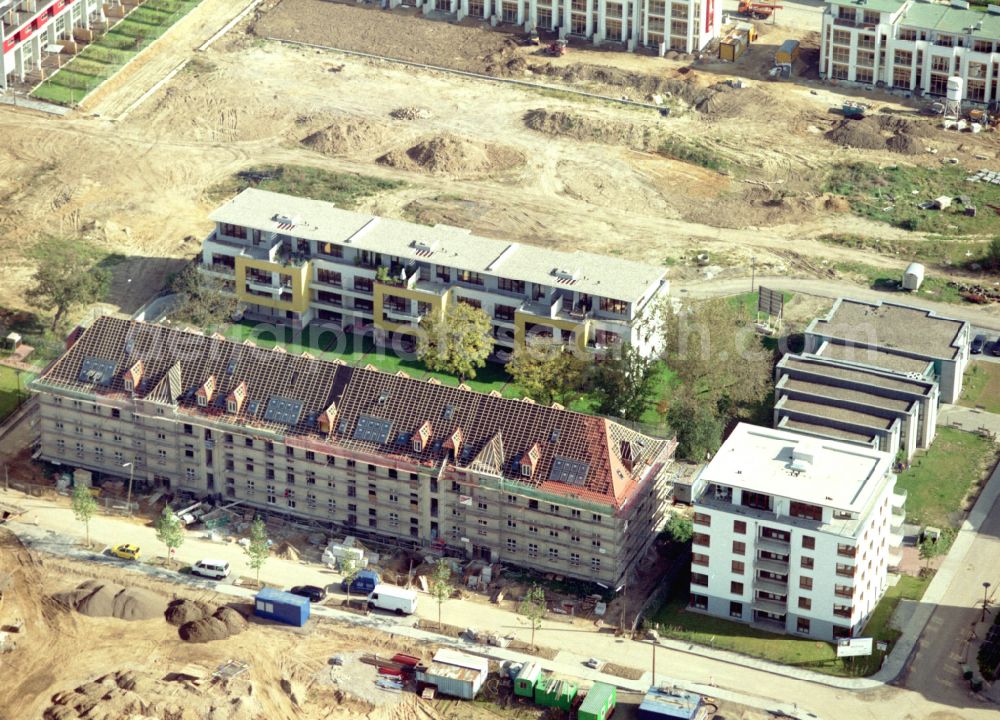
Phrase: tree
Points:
(457, 342)
(169, 531)
(532, 608)
(696, 425)
(68, 274)
(930, 548)
(202, 299)
(716, 354)
(679, 528)
(546, 370)
(349, 569)
(992, 258)
(441, 584)
(258, 550)
(622, 381)
(84, 506)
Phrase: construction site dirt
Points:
(135, 177)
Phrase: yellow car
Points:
(126, 552)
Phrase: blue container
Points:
(281, 606)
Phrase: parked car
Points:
(315, 593)
(216, 569)
(978, 343)
(364, 582)
(995, 350)
(126, 551)
(394, 599)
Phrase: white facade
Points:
(30, 28)
(913, 46)
(795, 533)
(684, 25)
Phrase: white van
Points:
(217, 569)
(396, 599)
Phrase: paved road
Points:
(575, 643)
(804, 15)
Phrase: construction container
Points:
(787, 53)
(556, 693)
(670, 703)
(913, 277)
(281, 606)
(454, 673)
(527, 678)
(598, 703)
(732, 47)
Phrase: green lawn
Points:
(888, 279)
(981, 387)
(887, 194)
(9, 389)
(341, 189)
(940, 477)
(675, 621)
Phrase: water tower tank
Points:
(954, 89)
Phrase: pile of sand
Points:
(184, 611)
(593, 129)
(455, 156)
(286, 551)
(130, 694)
(635, 83)
(223, 623)
(346, 137)
(724, 101)
(411, 113)
(881, 132)
(102, 599)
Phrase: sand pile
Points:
(343, 138)
(286, 551)
(881, 132)
(724, 101)
(100, 599)
(455, 156)
(129, 694)
(637, 84)
(184, 611)
(411, 113)
(217, 626)
(593, 129)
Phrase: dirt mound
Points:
(455, 156)
(130, 694)
(184, 611)
(346, 137)
(881, 132)
(286, 551)
(204, 630)
(593, 129)
(411, 113)
(235, 622)
(642, 84)
(100, 599)
(724, 101)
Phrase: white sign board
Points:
(853, 647)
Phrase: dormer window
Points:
(418, 446)
(232, 407)
(206, 391)
(202, 401)
(129, 386)
(234, 401)
(422, 437)
(132, 377)
(525, 469)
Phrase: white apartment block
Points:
(32, 28)
(659, 25)
(913, 46)
(795, 533)
(292, 260)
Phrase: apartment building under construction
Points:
(355, 450)
(292, 260)
(657, 25)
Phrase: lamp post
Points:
(986, 589)
(20, 397)
(131, 474)
(753, 272)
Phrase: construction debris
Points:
(986, 176)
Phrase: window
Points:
(701, 539)
(553, 533)
(532, 550)
(554, 509)
(699, 579)
(161, 456)
(846, 550)
(250, 487)
(736, 609)
(511, 286)
(738, 567)
(805, 510)
(511, 522)
(739, 548)
(805, 603)
(699, 559)
(596, 518)
(805, 583)
(702, 519)
(574, 559)
(482, 505)
(532, 529)
(595, 543)
(478, 304)
(739, 527)
(802, 626)
(907, 35)
(119, 457)
(511, 545)
(736, 588)
(116, 413)
(595, 564)
(469, 277)
(699, 602)
(806, 563)
(328, 277)
(842, 37)
(863, 74)
(617, 307)
(553, 554)
(270, 494)
(808, 542)
(757, 501)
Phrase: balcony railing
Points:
(846, 592)
(842, 612)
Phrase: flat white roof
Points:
(840, 475)
(461, 659)
(600, 275)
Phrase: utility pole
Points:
(653, 643)
(986, 589)
(131, 475)
(753, 272)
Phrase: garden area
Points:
(12, 389)
(108, 54)
(982, 387)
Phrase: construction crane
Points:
(758, 11)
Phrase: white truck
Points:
(394, 599)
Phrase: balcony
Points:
(772, 545)
(843, 592)
(771, 586)
(773, 566)
(776, 607)
(842, 612)
(220, 269)
(844, 22)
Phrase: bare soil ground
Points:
(590, 176)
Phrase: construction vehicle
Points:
(854, 110)
(557, 48)
(757, 11)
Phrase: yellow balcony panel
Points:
(522, 320)
(299, 300)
